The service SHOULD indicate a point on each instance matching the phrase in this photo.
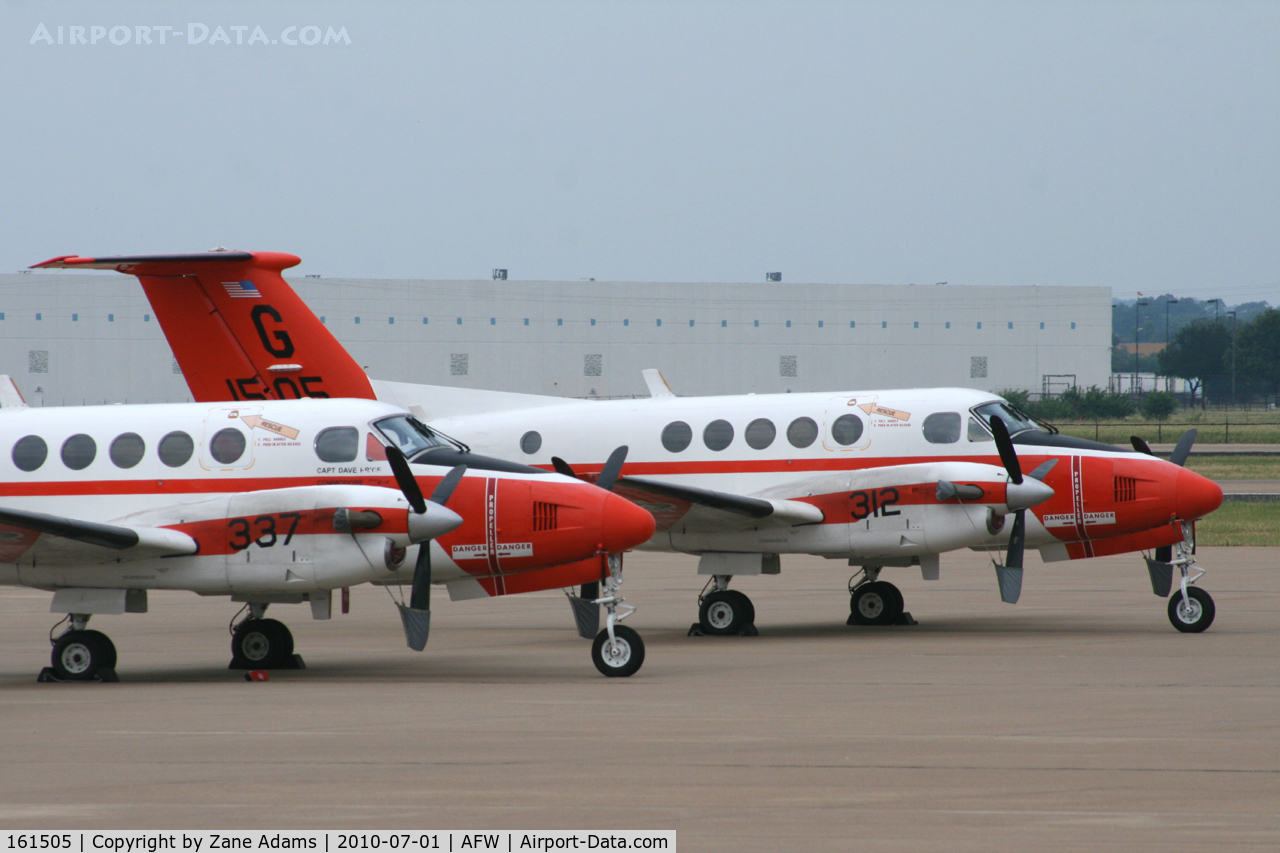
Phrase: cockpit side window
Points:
(978, 431)
(338, 444)
(409, 434)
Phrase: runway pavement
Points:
(1077, 719)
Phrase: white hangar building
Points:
(73, 338)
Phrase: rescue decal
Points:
(259, 422)
(873, 409)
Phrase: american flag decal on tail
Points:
(241, 289)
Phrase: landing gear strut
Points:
(875, 602)
(80, 654)
(617, 651)
(258, 643)
(724, 612)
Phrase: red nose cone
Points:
(1196, 496)
(625, 525)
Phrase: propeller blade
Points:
(446, 486)
(562, 467)
(1183, 448)
(1140, 445)
(612, 468)
(420, 593)
(1043, 469)
(1017, 540)
(404, 479)
(1004, 444)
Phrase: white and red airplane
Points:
(880, 478)
(284, 502)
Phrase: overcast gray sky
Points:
(1130, 145)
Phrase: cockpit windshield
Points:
(1015, 420)
(410, 435)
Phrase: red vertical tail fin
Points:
(236, 327)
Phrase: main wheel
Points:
(724, 612)
(1193, 615)
(80, 655)
(876, 603)
(619, 658)
(261, 644)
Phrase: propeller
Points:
(1164, 554)
(586, 613)
(417, 616)
(1140, 445)
(1021, 493)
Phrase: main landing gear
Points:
(875, 602)
(80, 654)
(724, 612)
(617, 651)
(258, 643)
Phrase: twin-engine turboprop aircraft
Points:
(282, 502)
(880, 478)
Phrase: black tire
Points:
(748, 609)
(1193, 619)
(876, 603)
(108, 649)
(723, 612)
(261, 644)
(81, 655)
(623, 658)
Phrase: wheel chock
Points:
(257, 675)
(903, 619)
(104, 676)
(295, 662)
(749, 630)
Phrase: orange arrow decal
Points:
(260, 422)
(873, 409)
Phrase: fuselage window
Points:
(846, 429)
(531, 442)
(176, 448)
(338, 444)
(30, 452)
(127, 450)
(942, 428)
(802, 432)
(718, 435)
(676, 436)
(78, 452)
(409, 434)
(977, 432)
(760, 433)
(227, 445)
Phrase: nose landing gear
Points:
(1191, 609)
(617, 651)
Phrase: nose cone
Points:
(1030, 492)
(436, 521)
(1196, 496)
(624, 525)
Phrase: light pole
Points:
(1232, 315)
(1167, 303)
(1137, 314)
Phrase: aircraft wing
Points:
(671, 502)
(87, 541)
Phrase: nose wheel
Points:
(1191, 609)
